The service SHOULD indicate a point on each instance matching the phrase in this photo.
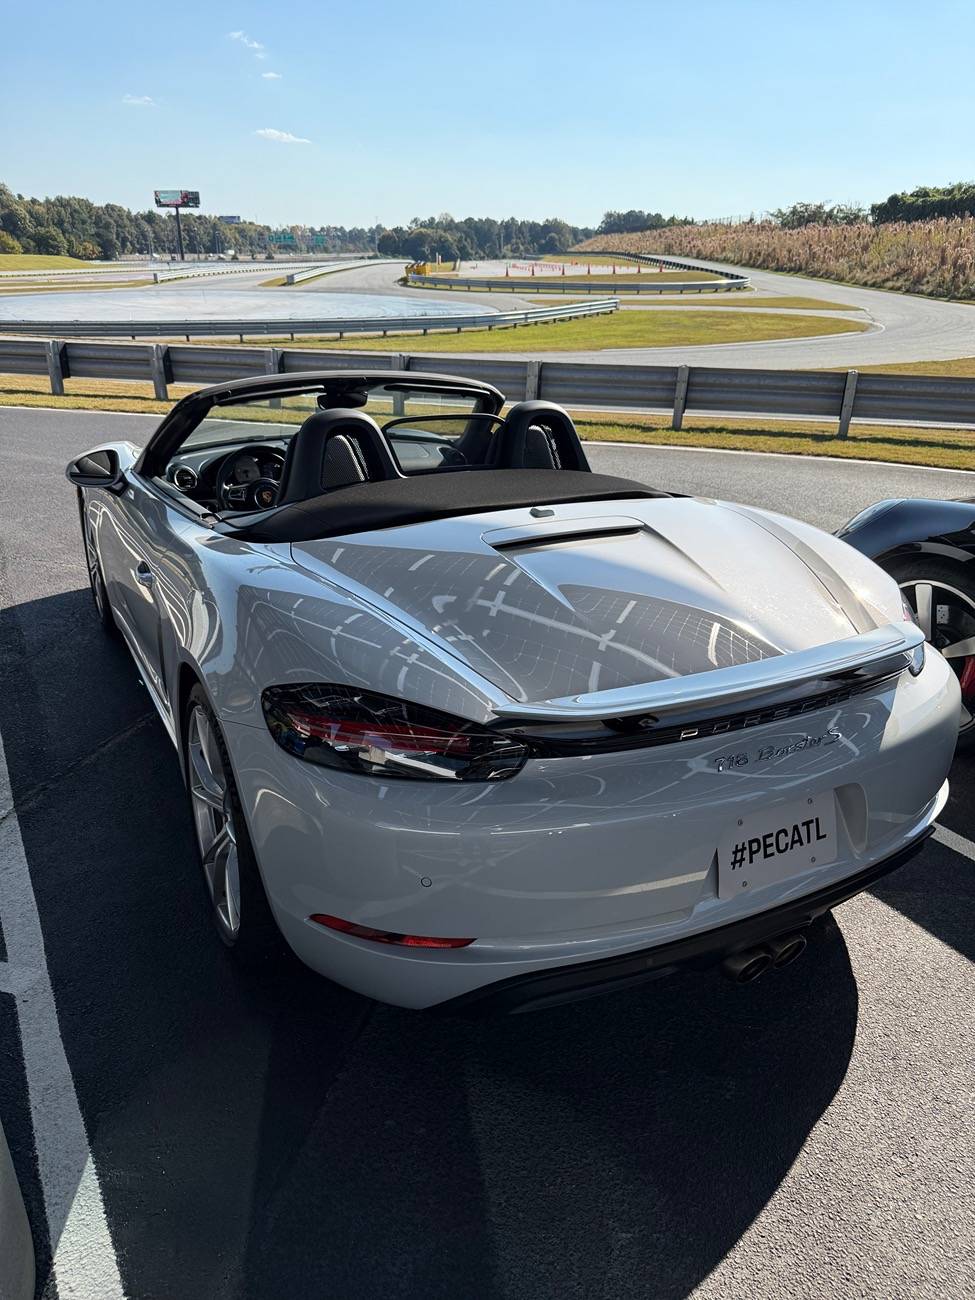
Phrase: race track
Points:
(907, 328)
(807, 1136)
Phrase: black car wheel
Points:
(232, 877)
(942, 596)
(96, 579)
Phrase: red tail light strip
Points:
(385, 936)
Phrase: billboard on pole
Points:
(177, 198)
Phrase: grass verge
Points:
(958, 368)
(39, 262)
(624, 329)
(77, 286)
(943, 448)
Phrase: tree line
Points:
(79, 228)
(474, 238)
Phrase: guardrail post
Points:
(272, 366)
(161, 371)
(680, 396)
(846, 410)
(399, 362)
(533, 380)
(55, 372)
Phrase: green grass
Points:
(66, 286)
(624, 329)
(959, 368)
(944, 448)
(38, 262)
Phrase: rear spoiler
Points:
(854, 656)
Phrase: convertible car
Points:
(470, 725)
(929, 547)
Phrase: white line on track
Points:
(84, 1261)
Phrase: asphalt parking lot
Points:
(809, 1135)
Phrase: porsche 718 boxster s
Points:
(470, 725)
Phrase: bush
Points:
(8, 244)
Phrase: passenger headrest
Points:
(539, 435)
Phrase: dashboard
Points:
(209, 475)
(244, 476)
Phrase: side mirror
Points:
(97, 469)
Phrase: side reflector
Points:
(385, 936)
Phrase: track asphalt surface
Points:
(907, 328)
(810, 1135)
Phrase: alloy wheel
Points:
(946, 616)
(213, 817)
(95, 573)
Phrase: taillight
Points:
(361, 731)
(386, 936)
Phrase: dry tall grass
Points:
(930, 257)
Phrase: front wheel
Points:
(942, 596)
(96, 578)
(233, 882)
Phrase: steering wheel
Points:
(239, 488)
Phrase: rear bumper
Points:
(552, 987)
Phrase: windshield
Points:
(238, 421)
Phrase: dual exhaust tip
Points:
(775, 954)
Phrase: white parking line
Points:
(84, 1261)
(952, 840)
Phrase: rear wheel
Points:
(942, 596)
(233, 882)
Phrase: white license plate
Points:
(768, 846)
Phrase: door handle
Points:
(144, 574)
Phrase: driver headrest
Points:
(334, 449)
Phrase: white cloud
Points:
(140, 101)
(281, 137)
(245, 40)
(271, 76)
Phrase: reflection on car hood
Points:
(598, 596)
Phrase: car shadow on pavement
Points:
(617, 1147)
(937, 889)
(275, 1135)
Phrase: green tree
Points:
(48, 239)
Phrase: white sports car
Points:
(468, 724)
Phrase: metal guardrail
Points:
(329, 325)
(676, 389)
(722, 281)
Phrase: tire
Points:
(96, 579)
(232, 880)
(947, 615)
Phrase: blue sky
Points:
(533, 108)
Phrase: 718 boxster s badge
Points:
(468, 723)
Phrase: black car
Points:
(929, 547)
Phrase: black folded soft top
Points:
(392, 503)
